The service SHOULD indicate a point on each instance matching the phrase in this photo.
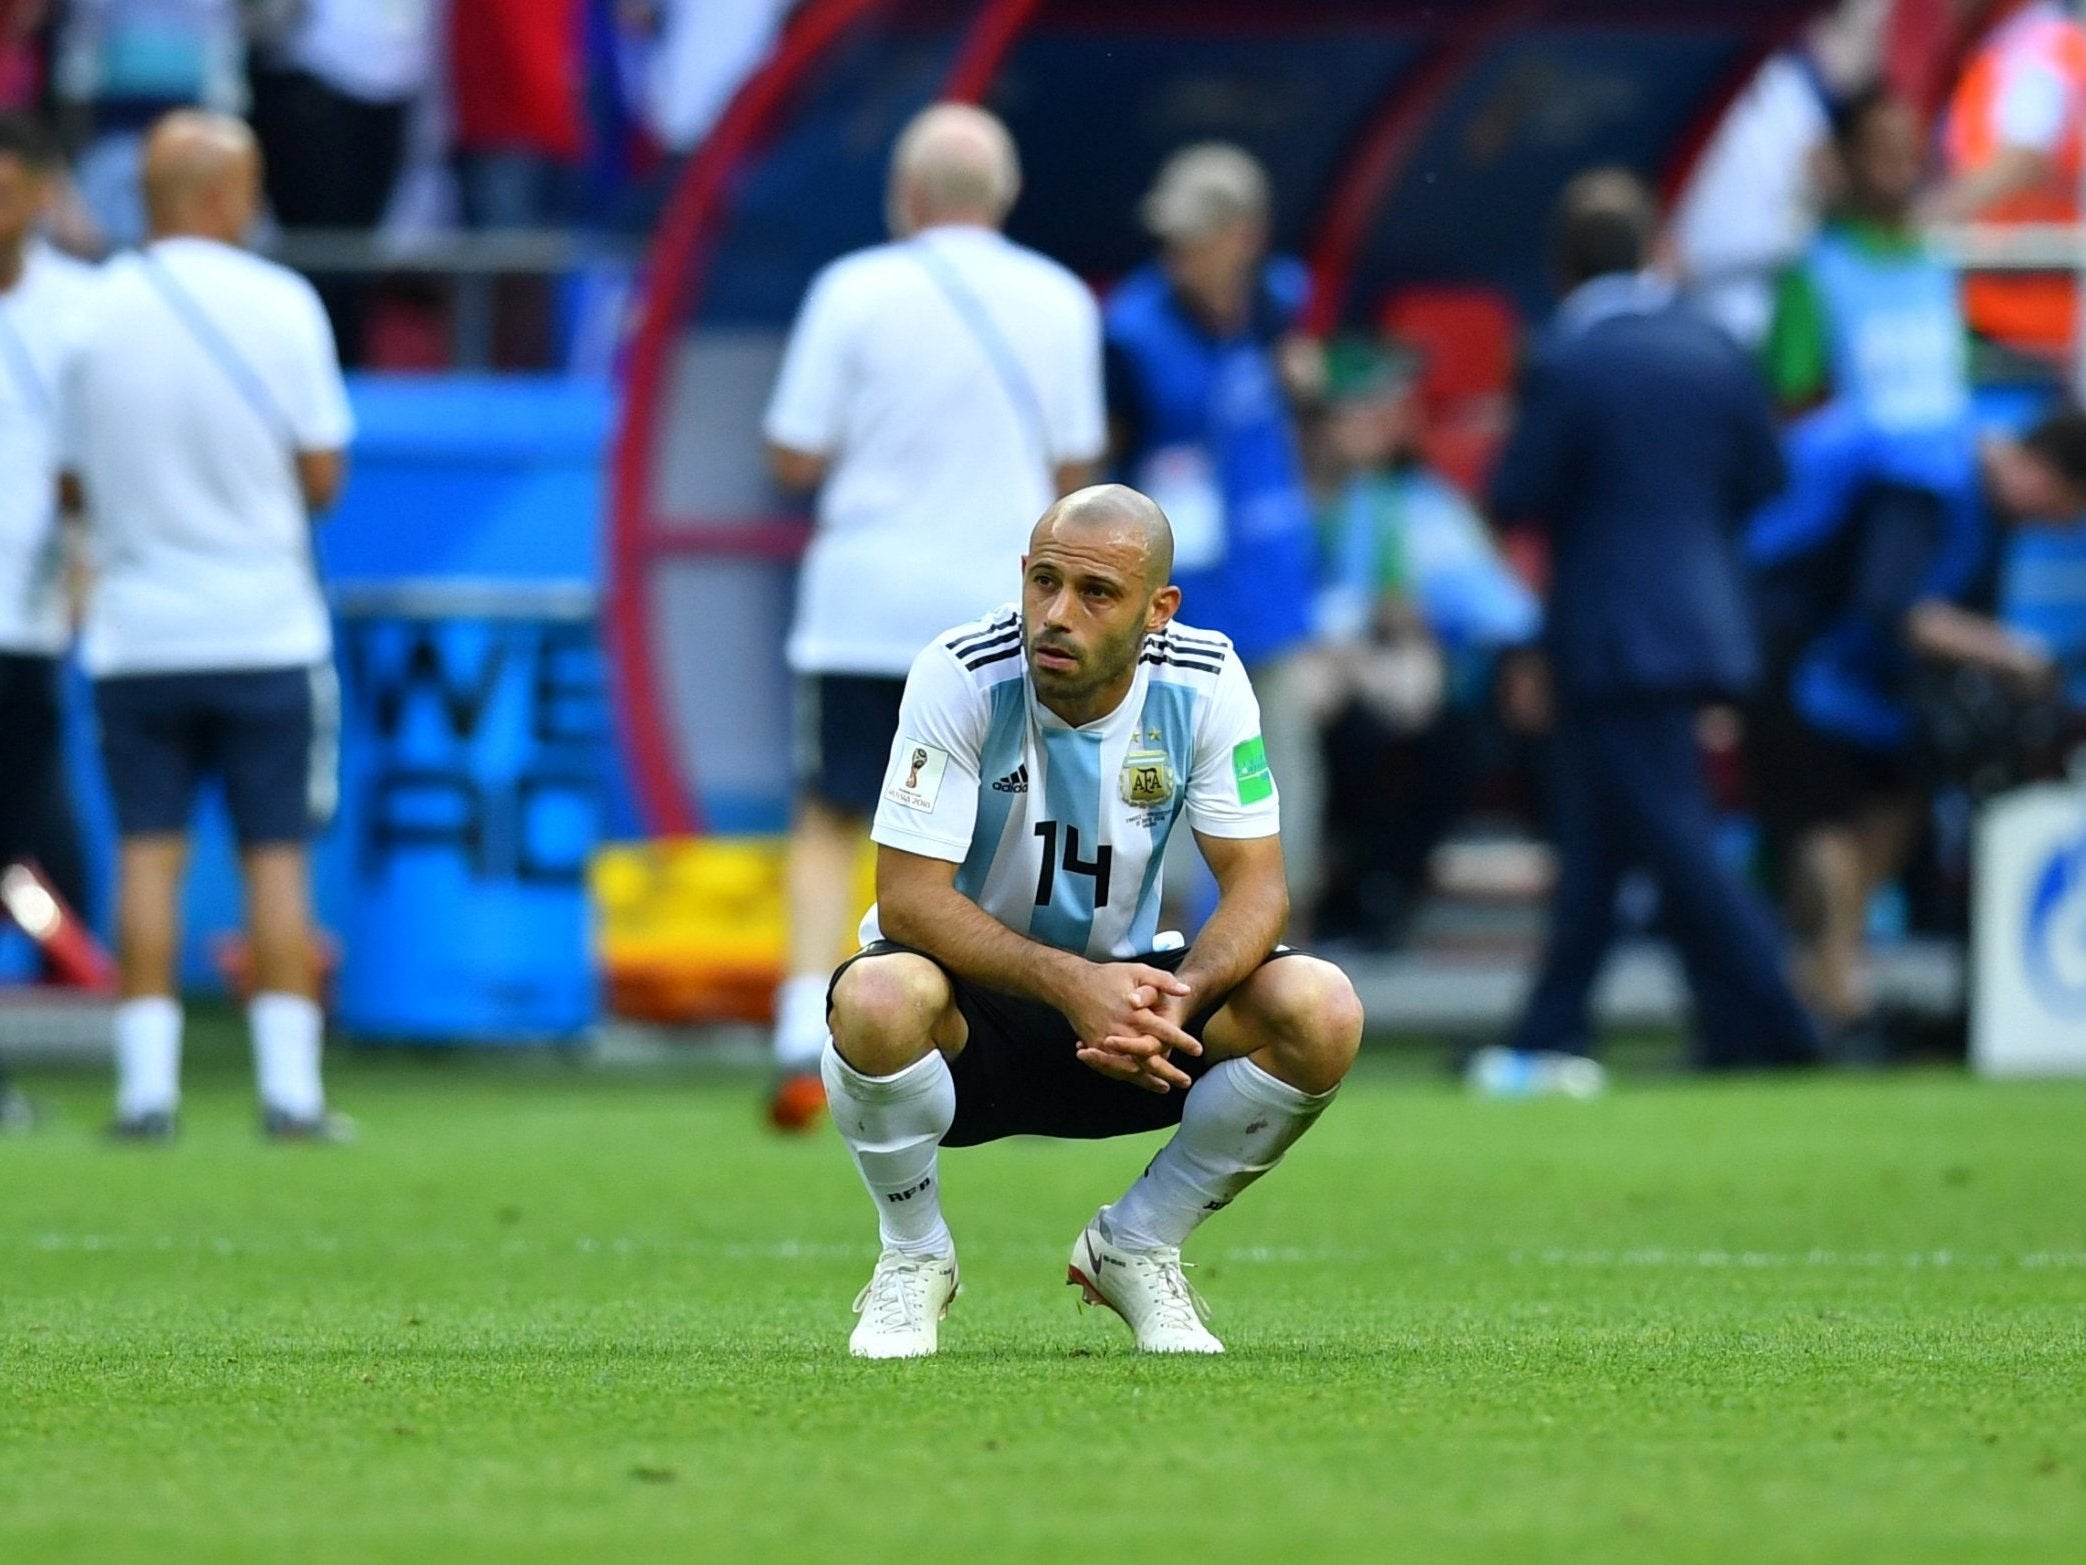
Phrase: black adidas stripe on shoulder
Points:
(1164, 642)
(1183, 656)
(992, 655)
(964, 645)
(1176, 660)
(971, 649)
(970, 644)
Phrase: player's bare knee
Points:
(884, 1012)
(1313, 1020)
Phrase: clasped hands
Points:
(1129, 1019)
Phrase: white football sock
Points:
(894, 1127)
(286, 1034)
(800, 1023)
(148, 1056)
(1236, 1125)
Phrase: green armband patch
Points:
(1249, 767)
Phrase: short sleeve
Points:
(1078, 411)
(930, 800)
(805, 414)
(1828, 458)
(320, 418)
(1231, 792)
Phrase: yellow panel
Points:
(691, 928)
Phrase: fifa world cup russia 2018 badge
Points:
(1147, 778)
(915, 779)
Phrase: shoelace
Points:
(895, 1297)
(1181, 1308)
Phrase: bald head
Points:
(202, 176)
(1114, 516)
(954, 163)
(1093, 589)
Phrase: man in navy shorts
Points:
(205, 422)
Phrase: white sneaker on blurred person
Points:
(1147, 1288)
(1499, 1072)
(903, 1306)
(17, 1114)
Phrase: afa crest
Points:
(1147, 778)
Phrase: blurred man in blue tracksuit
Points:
(1883, 559)
(1643, 443)
(1204, 359)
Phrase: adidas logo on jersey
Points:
(1016, 781)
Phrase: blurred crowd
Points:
(1913, 583)
(1918, 647)
(1714, 594)
(1338, 512)
(1804, 235)
(409, 118)
(488, 113)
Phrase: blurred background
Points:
(562, 243)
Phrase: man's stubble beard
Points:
(1102, 667)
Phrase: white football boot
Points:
(903, 1306)
(1147, 1288)
(1499, 1072)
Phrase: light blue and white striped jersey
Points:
(1060, 832)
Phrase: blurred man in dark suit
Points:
(1644, 440)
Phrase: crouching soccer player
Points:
(1010, 983)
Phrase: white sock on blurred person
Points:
(148, 1056)
(1236, 1125)
(286, 1035)
(894, 1127)
(800, 1024)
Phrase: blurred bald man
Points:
(205, 422)
(939, 392)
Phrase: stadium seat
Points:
(1466, 338)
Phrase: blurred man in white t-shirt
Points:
(41, 293)
(205, 421)
(939, 391)
(1751, 204)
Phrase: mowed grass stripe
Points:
(556, 1314)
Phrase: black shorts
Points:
(1018, 1075)
(1804, 778)
(845, 725)
(270, 736)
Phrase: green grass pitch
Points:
(547, 1313)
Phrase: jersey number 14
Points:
(1097, 867)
